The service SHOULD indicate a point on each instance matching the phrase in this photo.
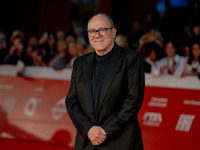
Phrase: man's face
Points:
(101, 44)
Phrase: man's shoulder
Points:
(83, 58)
(128, 52)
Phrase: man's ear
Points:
(114, 32)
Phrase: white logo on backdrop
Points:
(9, 104)
(59, 109)
(158, 102)
(6, 86)
(30, 106)
(152, 119)
(184, 123)
(191, 102)
(39, 89)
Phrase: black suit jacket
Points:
(121, 98)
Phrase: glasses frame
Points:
(98, 31)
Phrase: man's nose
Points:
(97, 35)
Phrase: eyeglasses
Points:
(101, 31)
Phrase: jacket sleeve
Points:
(132, 99)
(79, 119)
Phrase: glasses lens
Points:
(91, 32)
(103, 31)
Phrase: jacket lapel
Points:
(87, 75)
(111, 72)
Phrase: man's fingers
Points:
(99, 138)
(99, 141)
(96, 142)
(97, 135)
(102, 130)
(102, 137)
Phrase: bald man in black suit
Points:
(106, 92)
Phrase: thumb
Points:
(102, 130)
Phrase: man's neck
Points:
(104, 52)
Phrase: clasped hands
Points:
(96, 135)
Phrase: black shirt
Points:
(99, 71)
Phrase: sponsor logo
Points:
(184, 122)
(31, 105)
(152, 119)
(59, 109)
(158, 102)
(9, 104)
(191, 102)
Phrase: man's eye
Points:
(91, 31)
(102, 29)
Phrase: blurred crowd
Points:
(178, 56)
(54, 49)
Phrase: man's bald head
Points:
(106, 16)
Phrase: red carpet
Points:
(10, 144)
